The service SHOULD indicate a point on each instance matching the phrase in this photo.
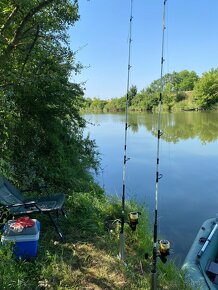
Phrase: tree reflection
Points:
(179, 126)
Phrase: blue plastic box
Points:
(26, 241)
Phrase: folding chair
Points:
(12, 199)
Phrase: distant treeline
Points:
(183, 90)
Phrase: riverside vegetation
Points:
(183, 90)
(42, 142)
(87, 259)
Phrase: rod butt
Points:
(121, 253)
(154, 281)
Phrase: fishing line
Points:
(125, 159)
(158, 175)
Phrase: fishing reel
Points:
(134, 219)
(164, 250)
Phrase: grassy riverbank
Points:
(87, 259)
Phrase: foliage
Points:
(115, 105)
(140, 102)
(176, 88)
(187, 80)
(41, 129)
(131, 94)
(206, 90)
(97, 105)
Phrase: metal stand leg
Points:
(56, 226)
(63, 213)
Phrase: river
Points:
(188, 190)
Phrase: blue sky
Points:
(101, 39)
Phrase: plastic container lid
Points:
(20, 238)
(27, 234)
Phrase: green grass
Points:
(88, 257)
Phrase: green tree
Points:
(97, 105)
(41, 126)
(152, 94)
(177, 86)
(131, 94)
(87, 103)
(187, 80)
(116, 104)
(139, 103)
(168, 96)
(206, 90)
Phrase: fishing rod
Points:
(161, 248)
(125, 159)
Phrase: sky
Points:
(100, 39)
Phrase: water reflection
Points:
(179, 126)
(188, 162)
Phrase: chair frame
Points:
(29, 204)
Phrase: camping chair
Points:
(12, 199)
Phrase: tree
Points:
(187, 80)
(98, 105)
(41, 126)
(131, 94)
(206, 90)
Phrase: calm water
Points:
(188, 191)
